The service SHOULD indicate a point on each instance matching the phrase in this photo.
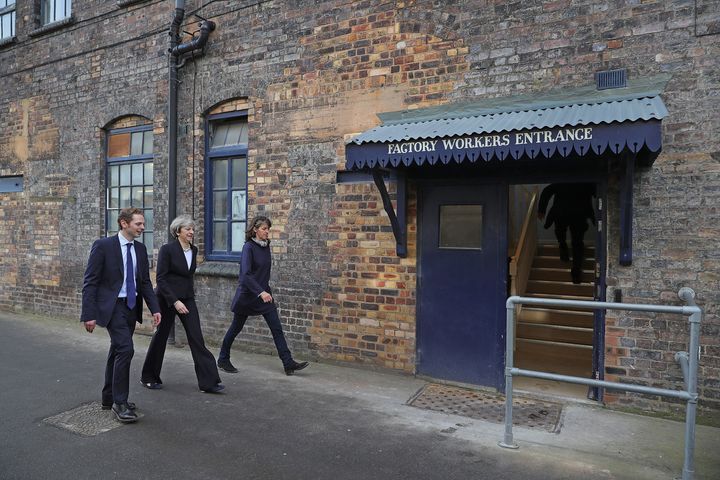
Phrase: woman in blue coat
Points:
(254, 297)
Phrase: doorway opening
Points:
(558, 340)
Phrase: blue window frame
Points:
(226, 147)
(130, 178)
(54, 10)
(7, 18)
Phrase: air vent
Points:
(611, 79)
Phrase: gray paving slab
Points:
(328, 422)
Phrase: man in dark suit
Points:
(117, 279)
(572, 207)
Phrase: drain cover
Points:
(527, 412)
(87, 420)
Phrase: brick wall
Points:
(311, 74)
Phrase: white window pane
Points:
(239, 198)
(149, 215)
(220, 205)
(147, 143)
(137, 174)
(112, 220)
(238, 236)
(136, 143)
(219, 135)
(148, 203)
(148, 240)
(136, 197)
(220, 236)
(125, 174)
(114, 176)
(125, 197)
(148, 173)
(114, 198)
(220, 174)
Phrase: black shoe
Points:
(123, 413)
(226, 366)
(215, 389)
(294, 366)
(576, 276)
(108, 405)
(564, 254)
(151, 385)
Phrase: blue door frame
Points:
(462, 291)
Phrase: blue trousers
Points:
(273, 322)
(117, 367)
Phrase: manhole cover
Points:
(527, 412)
(88, 420)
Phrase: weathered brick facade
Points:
(311, 74)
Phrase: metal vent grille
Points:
(611, 79)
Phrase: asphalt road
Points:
(329, 422)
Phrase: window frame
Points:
(45, 4)
(142, 159)
(211, 154)
(8, 10)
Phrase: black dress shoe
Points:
(123, 413)
(151, 385)
(108, 406)
(294, 366)
(215, 388)
(226, 366)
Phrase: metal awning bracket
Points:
(398, 220)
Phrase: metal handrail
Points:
(687, 360)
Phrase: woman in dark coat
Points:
(254, 297)
(176, 265)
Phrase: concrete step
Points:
(560, 288)
(559, 274)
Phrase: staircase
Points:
(555, 339)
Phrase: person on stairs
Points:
(571, 208)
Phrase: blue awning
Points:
(567, 123)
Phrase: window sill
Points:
(218, 269)
(51, 27)
(127, 3)
(7, 41)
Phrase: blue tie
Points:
(130, 282)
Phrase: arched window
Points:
(130, 173)
(226, 149)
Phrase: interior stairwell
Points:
(557, 340)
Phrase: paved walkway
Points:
(328, 422)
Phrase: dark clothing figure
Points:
(175, 284)
(253, 296)
(572, 207)
(117, 280)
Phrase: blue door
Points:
(462, 283)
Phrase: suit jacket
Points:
(104, 279)
(174, 278)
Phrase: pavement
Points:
(326, 422)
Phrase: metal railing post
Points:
(509, 359)
(688, 361)
(688, 295)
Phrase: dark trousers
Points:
(577, 233)
(273, 322)
(205, 368)
(117, 368)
